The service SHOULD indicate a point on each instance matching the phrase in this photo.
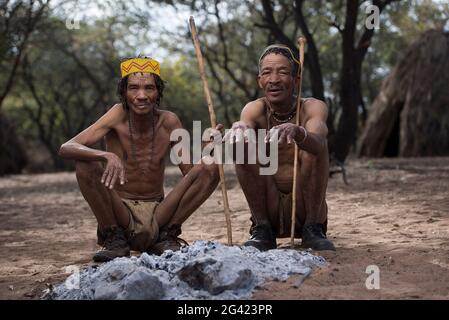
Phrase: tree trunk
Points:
(311, 58)
(350, 85)
(347, 126)
(12, 156)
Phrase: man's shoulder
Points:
(314, 107)
(169, 119)
(114, 115)
(116, 109)
(313, 101)
(255, 107)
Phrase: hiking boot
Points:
(114, 246)
(313, 237)
(168, 240)
(262, 237)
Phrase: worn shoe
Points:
(313, 237)
(168, 240)
(114, 246)
(262, 237)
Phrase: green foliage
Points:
(184, 91)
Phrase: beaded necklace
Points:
(289, 115)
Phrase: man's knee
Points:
(210, 169)
(245, 168)
(88, 171)
(308, 159)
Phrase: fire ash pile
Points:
(204, 270)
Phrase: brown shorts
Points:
(283, 227)
(143, 229)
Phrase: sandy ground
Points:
(394, 215)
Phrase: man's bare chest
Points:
(152, 146)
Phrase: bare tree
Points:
(354, 52)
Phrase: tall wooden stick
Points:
(301, 45)
(213, 121)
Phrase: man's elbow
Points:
(63, 150)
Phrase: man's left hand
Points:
(214, 135)
(287, 133)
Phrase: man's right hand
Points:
(238, 133)
(114, 170)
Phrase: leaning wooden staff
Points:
(301, 45)
(213, 121)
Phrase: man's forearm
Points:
(77, 151)
(311, 142)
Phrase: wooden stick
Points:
(301, 45)
(213, 121)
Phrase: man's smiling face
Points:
(276, 78)
(141, 92)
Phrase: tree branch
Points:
(336, 25)
(30, 26)
(365, 40)
(273, 26)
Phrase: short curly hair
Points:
(282, 50)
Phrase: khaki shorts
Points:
(143, 229)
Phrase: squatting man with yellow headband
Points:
(124, 185)
(270, 196)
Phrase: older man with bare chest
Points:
(270, 196)
(126, 193)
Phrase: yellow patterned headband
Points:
(145, 65)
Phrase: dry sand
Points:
(394, 214)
